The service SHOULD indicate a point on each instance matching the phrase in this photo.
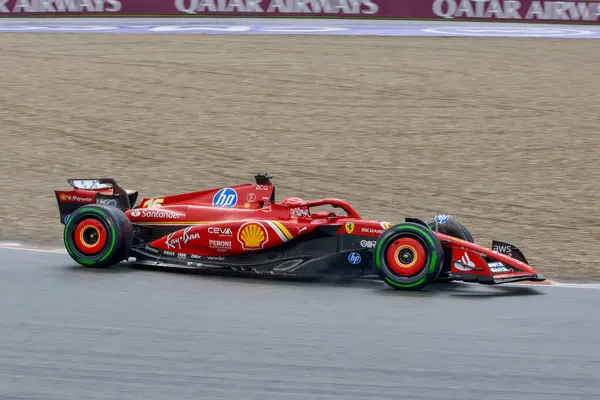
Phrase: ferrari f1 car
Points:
(242, 229)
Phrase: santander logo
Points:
(156, 214)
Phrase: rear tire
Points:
(408, 256)
(98, 236)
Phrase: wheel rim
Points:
(406, 256)
(90, 236)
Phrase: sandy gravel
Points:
(502, 133)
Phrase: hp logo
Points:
(354, 258)
(441, 219)
(226, 197)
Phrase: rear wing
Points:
(92, 184)
(106, 191)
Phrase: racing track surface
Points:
(74, 333)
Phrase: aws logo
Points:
(253, 236)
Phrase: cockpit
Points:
(299, 208)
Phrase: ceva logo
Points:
(226, 197)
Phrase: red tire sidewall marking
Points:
(393, 253)
(86, 248)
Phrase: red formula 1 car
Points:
(242, 229)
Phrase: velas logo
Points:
(497, 266)
(226, 197)
(253, 236)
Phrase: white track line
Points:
(35, 249)
(10, 244)
(24, 247)
(595, 286)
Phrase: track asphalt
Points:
(123, 333)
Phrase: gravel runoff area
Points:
(502, 133)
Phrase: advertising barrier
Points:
(469, 10)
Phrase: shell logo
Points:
(253, 236)
(63, 196)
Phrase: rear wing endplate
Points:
(102, 184)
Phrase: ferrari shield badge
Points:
(349, 227)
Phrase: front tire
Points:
(98, 236)
(408, 256)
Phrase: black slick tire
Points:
(397, 267)
(98, 236)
